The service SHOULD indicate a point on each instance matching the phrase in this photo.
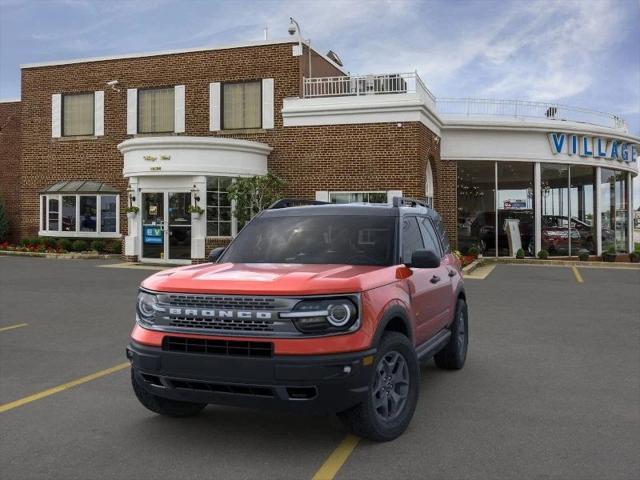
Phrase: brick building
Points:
(162, 131)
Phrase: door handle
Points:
(435, 279)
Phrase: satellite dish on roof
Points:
(334, 57)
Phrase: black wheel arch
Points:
(395, 319)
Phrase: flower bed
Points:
(63, 245)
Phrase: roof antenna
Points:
(266, 33)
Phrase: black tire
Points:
(366, 420)
(454, 354)
(164, 406)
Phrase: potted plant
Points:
(132, 211)
(195, 211)
(583, 255)
(610, 255)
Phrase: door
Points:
(153, 227)
(425, 284)
(166, 227)
(179, 226)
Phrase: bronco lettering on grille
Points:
(239, 314)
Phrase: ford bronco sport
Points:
(314, 308)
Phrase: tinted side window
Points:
(430, 238)
(442, 234)
(411, 238)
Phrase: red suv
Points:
(314, 308)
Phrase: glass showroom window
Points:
(582, 208)
(79, 215)
(516, 202)
(554, 180)
(219, 218)
(614, 210)
(156, 110)
(77, 114)
(242, 105)
(358, 197)
(477, 206)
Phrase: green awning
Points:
(80, 186)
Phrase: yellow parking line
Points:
(576, 273)
(11, 327)
(332, 465)
(51, 391)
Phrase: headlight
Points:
(146, 306)
(323, 315)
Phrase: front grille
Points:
(253, 390)
(218, 347)
(223, 302)
(223, 324)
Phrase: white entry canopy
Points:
(171, 155)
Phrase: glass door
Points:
(179, 228)
(153, 228)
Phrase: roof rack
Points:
(295, 202)
(410, 202)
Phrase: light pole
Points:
(293, 28)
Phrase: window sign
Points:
(153, 235)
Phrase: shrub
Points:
(98, 245)
(65, 244)
(611, 250)
(520, 253)
(28, 242)
(79, 246)
(48, 242)
(4, 223)
(635, 256)
(474, 252)
(543, 254)
(583, 254)
(115, 246)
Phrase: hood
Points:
(270, 279)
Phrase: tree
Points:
(253, 194)
(4, 222)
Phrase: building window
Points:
(358, 197)
(477, 206)
(219, 214)
(78, 114)
(242, 105)
(156, 110)
(79, 215)
(614, 210)
(515, 203)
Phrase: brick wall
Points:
(46, 160)
(381, 156)
(10, 162)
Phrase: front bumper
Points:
(310, 384)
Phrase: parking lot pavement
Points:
(550, 389)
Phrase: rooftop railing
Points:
(399, 83)
(526, 109)
(380, 84)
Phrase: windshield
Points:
(316, 239)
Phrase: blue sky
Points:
(582, 52)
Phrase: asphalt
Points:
(551, 389)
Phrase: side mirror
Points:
(425, 259)
(215, 254)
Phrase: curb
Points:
(563, 263)
(62, 256)
(473, 265)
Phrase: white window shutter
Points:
(214, 106)
(178, 96)
(267, 103)
(391, 194)
(132, 111)
(56, 115)
(98, 113)
(322, 196)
